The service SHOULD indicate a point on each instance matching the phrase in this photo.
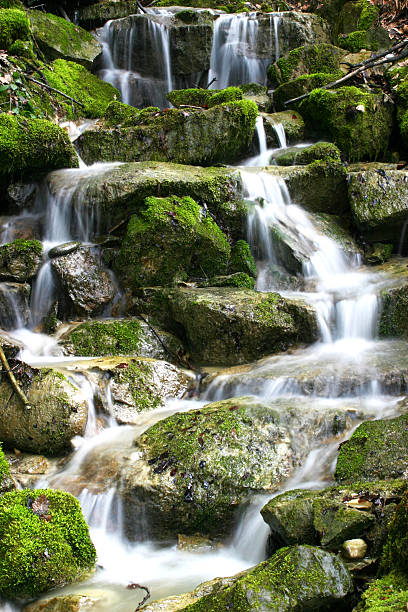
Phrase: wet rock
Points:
(379, 203)
(377, 449)
(359, 123)
(10, 346)
(321, 150)
(111, 337)
(87, 288)
(191, 470)
(14, 305)
(379, 253)
(63, 249)
(295, 578)
(291, 122)
(58, 411)
(354, 549)
(136, 385)
(196, 544)
(220, 134)
(26, 469)
(394, 313)
(60, 39)
(63, 603)
(43, 528)
(231, 325)
(20, 260)
(258, 94)
(21, 195)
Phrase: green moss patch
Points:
(308, 59)
(300, 86)
(44, 542)
(14, 25)
(320, 151)
(106, 338)
(242, 260)
(204, 97)
(388, 594)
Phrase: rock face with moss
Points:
(207, 98)
(60, 39)
(20, 260)
(301, 86)
(359, 123)
(34, 521)
(377, 449)
(6, 482)
(385, 594)
(194, 468)
(294, 578)
(358, 27)
(58, 412)
(228, 326)
(14, 25)
(319, 151)
(379, 203)
(33, 145)
(291, 122)
(170, 239)
(394, 312)
(220, 134)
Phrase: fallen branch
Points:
(141, 7)
(191, 106)
(13, 380)
(134, 585)
(210, 83)
(371, 63)
(63, 14)
(56, 91)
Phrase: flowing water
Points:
(345, 373)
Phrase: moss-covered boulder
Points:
(377, 449)
(395, 556)
(20, 260)
(14, 25)
(228, 326)
(33, 145)
(308, 59)
(333, 515)
(170, 239)
(237, 279)
(319, 151)
(220, 134)
(60, 39)
(394, 312)
(358, 122)
(294, 578)
(6, 482)
(58, 412)
(385, 594)
(85, 287)
(358, 27)
(45, 542)
(193, 469)
(300, 86)
(76, 81)
(241, 259)
(112, 337)
(204, 97)
(292, 123)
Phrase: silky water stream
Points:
(341, 375)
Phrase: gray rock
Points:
(20, 260)
(63, 249)
(14, 305)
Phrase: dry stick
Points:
(145, 598)
(348, 76)
(63, 13)
(13, 380)
(141, 7)
(56, 91)
(382, 54)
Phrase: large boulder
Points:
(170, 239)
(300, 86)
(294, 578)
(85, 286)
(358, 122)
(358, 27)
(379, 203)
(45, 542)
(33, 145)
(229, 326)
(58, 411)
(377, 449)
(60, 39)
(20, 260)
(220, 134)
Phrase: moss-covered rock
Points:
(379, 203)
(308, 59)
(204, 97)
(379, 253)
(6, 482)
(125, 115)
(22, 48)
(300, 86)
(237, 279)
(20, 260)
(292, 123)
(241, 259)
(60, 39)
(377, 449)
(319, 151)
(58, 412)
(388, 594)
(65, 603)
(227, 326)
(359, 123)
(395, 555)
(33, 145)
(394, 312)
(45, 542)
(14, 25)
(294, 578)
(76, 81)
(222, 133)
(170, 239)
(358, 27)
(402, 109)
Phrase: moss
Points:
(307, 59)
(242, 260)
(388, 594)
(226, 95)
(204, 97)
(40, 552)
(106, 338)
(5, 4)
(5, 475)
(320, 151)
(355, 41)
(137, 376)
(368, 16)
(118, 113)
(394, 313)
(76, 81)
(402, 109)
(22, 48)
(269, 310)
(29, 145)
(237, 279)
(300, 86)
(177, 226)
(14, 25)
(360, 134)
(395, 553)
(26, 246)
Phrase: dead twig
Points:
(13, 380)
(56, 91)
(134, 585)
